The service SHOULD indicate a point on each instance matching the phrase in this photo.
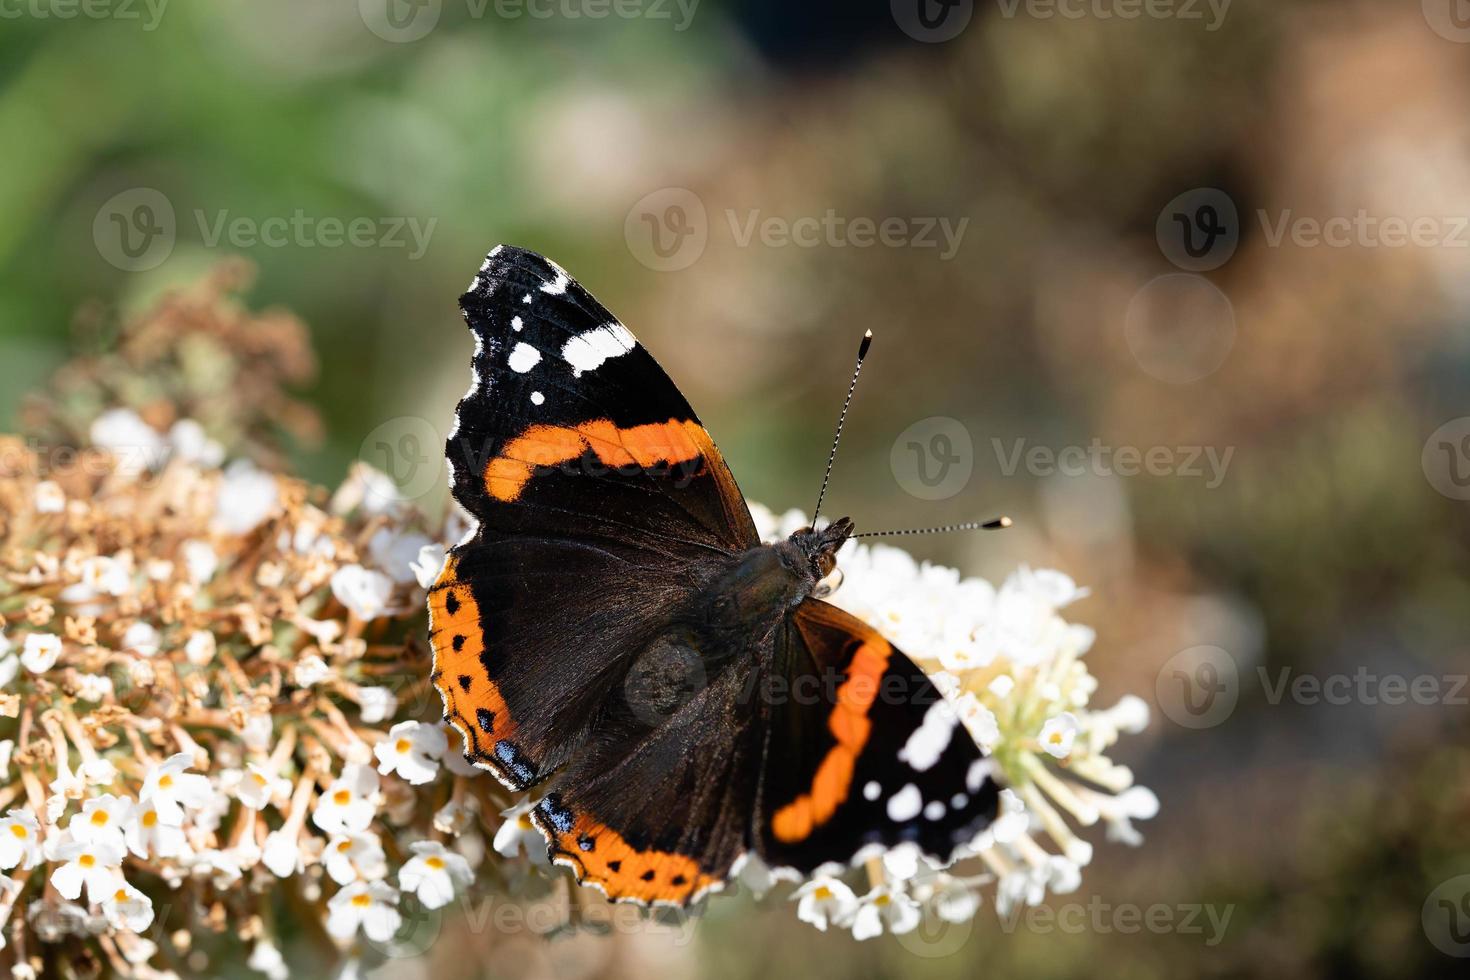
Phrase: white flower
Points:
(94, 687)
(434, 874)
(1058, 734)
(259, 785)
(50, 498)
(376, 704)
(246, 497)
(97, 772)
(20, 845)
(9, 666)
(310, 670)
(954, 900)
(753, 873)
(102, 820)
(428, 564)
(519, 834)
(149, 833)
(40, 652)
(349, 857)
(371, 906)
(825, 902)
(883, 909)
(347, 807)
(142, 639)
(412, 750)
(90, 863)
(7, 746)
(282, 853)
(363, 591)
(200, 561)
(171, 787)
(192, 444)
(199, 649)
(128, 908)
(396, 552)
(266, 958)
(135, 443)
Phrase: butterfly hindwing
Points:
(863, 752)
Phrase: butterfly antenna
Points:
(995, 525)
(862, 353)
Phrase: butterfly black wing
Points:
(861, 751)
(598, 499)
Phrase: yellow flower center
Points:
(341, 797)
(1056, 738)
(165, 781)
(402, 746)
(19, 831)
(881, 900)
(362, 901)
(100, 818)
(822, 893)
(119, 895)
(345, 846)
(259, 779)
(525, 822)
(150, 818)
(87, 861)
(436, 863)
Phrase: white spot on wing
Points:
(558, 285)
(537, 398)
(587, 351)
(526, 298)
(872, 791)
(934, 810)
(523, 358)
(927, 742)
(979, 770)
(516, 324)
(905, 804)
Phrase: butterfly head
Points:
(820, 546)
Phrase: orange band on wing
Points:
(473, 704)
(849, 725)
(600, 855)
(646, 446)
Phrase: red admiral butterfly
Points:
(615, 621)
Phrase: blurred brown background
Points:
(1231, 242)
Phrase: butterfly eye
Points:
(828, 585)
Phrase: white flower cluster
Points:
(203, 708)
(1012, 669)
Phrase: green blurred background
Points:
(1072, 147)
